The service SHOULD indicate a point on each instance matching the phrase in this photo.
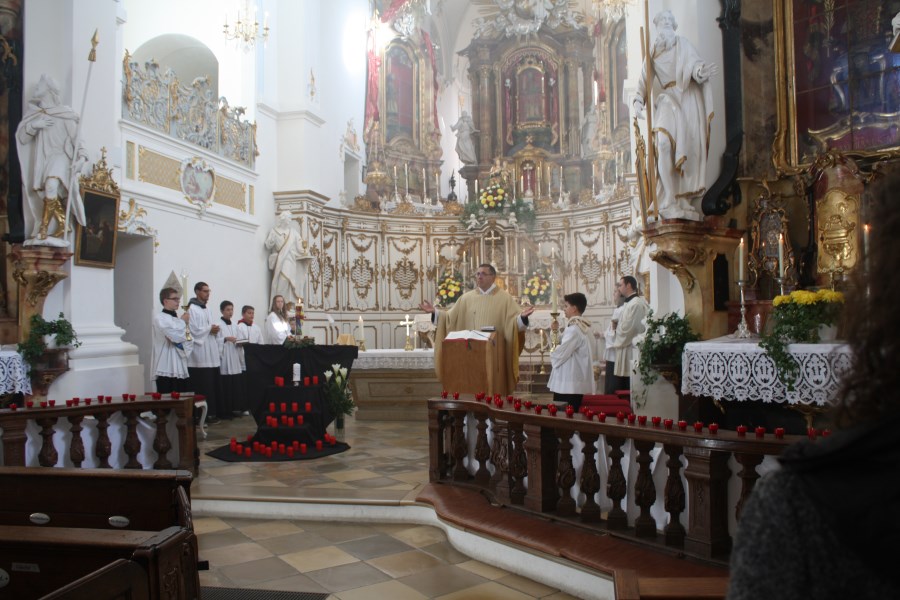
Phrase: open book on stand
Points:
(468, 334)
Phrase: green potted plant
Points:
(43, 334)
(663, 345)
(798, 318)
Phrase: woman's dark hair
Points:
(871, 321)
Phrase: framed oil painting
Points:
(95, 241)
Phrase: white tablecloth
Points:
(395, 359)
(733, 369)
(13, 373)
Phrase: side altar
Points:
(394, 384)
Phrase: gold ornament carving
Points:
(38, 283)
(362, 276)
(404, 276)
(230, 193)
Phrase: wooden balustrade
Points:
(71, 422)
(529, 464)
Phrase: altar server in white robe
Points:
(573, 374)
(278, 325)
(204, 361)
(248, 332)
(631, 324)
(171, 347)
(233, 396)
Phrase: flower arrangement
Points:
(450, 289)
(663, 344)
(796, 318)
(493, 197)
(537, 287)
(34, 346)
(337, 391)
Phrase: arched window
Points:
(188, 58)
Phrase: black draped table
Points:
(272, 404)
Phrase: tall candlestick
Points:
(359, 329)
(522, 184)
(554, 301)
(741, 261)
(407, 322)
(437, 185)
(524, 262)
(184, 287)
(781, 255)
(560, 178)
(395, 173)
(866, 229)
(424, 185)
(476, 189)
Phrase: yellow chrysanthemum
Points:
(781, 300)
(451, 294)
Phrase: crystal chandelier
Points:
(246, 29)
(613, 10)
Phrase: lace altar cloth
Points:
(727, 368)
(395, 359)
(13, 373)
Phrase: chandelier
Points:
(613, 10)
(246, 29)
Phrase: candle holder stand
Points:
(743, 331)
(554, 333)
(409, 345)
(187, 326)
(361, 344)
(780, 282)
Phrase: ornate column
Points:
(485, 122)
(689, 249)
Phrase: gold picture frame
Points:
(95, 241)
(787, 154)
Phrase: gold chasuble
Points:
(475, 310)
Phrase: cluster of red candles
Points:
(250, 447)
(77, 401)
(314, 380)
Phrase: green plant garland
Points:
(663, 343)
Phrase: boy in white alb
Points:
(248, 332)
(230, 365)
(170, 345)
(573, 371)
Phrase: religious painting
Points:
(95, 241)
(838, 84)
(399, 94)
(618, 72)
(530, 100)
(198, 182)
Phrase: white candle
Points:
(476, 188)
(560, 178)
(741, 260)
(395, 173)
(522, 184)
(424, 184)
(184, 287)
(437, 185)
(524, 262)
(781, 255)
(359, 329)
(296, 371)
(866, 229)
(406, 173)
(554, 301)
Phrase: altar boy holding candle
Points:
(232, 374)
(573, 374)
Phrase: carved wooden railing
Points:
(69, 422)
(526, 461)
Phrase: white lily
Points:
(328, 375)
(338, 380)
(344, 372)
(336, 367)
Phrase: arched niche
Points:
(188, 57)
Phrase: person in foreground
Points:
(573, 374)
(825, 525)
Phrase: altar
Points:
(741, 379)
(394, 384)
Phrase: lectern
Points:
(471, 365)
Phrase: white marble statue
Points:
(682, 112)
(589, 132)
(465, 145)
(512, 222)
(288, 258)
(473, 223)
(50, 164)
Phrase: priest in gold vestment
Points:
(485, 306)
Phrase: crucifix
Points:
(408, 323)
(493, 238)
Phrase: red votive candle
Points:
(43, 404)
(811, 433)
(175, 395)
(826, 432)
(271, 407)
(509, 398)
(281, 448)
(284, 419)
(299, 419)
(13, 407)
(86, 401)
(496, 397)
(69, 403)
(741, 430)
(295, 445)
(588, 414)
(517, 405)
(306, 381)
(668, 423)
(290, 452)
(315, 380)
(274, 445)
(255, 445)
(760, 432)
(249, 437)
(456, 395)
(601, 416)
(620, 416)
(268, 452)
(279, 381)
(698, 427)
(656, 421)
(284, 407)
(713, 428)
(528, 404)
(124, 396)
(538, 408)
(294, 407)
(551, 408)
(29, 404)
(682, 425)
(631, 418)
(570, 412)
(642, 420)
(302, 448)
(318, 444)
(132, 397)
(779, 433)
(444, 394)
(290, 421)
(51, 402)
(247, 452)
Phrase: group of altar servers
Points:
(204, 354)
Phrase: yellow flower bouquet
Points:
(493, 196)
(537, 287)
(449, 289)
(796, 318)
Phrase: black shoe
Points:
(213, 420)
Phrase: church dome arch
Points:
(187, 56)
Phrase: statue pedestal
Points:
(36, 269)
(689, 249)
